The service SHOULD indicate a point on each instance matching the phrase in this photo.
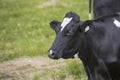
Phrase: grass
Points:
(71, 71)
(24, 26)
(25, 31)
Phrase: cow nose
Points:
(51, 54)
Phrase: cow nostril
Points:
(51, 53)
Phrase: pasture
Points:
(25, 32)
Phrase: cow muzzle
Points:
(53, 54)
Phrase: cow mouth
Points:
(65, 55)
(55, 58)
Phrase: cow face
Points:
(67, 37)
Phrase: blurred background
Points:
(25, 35)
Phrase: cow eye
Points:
(69, 33)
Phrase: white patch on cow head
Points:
(66, 21)
(117, 23)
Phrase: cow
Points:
(96, 42)
(105, 7)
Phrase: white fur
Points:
(117, 23)
(65, 22)
(76, 55)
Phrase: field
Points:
(25, 32)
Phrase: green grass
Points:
(75, 69)
(24, 26)
(71, 71)
(25, 31)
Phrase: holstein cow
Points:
(97, 43)
(105, 7)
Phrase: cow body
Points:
(98, 47)
(105, 7)
(105, 43)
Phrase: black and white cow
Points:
(97, 43)
(105, 7)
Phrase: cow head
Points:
(69, 35)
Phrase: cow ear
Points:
(53, 24)
(85, 26)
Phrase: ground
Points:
(27, 68)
